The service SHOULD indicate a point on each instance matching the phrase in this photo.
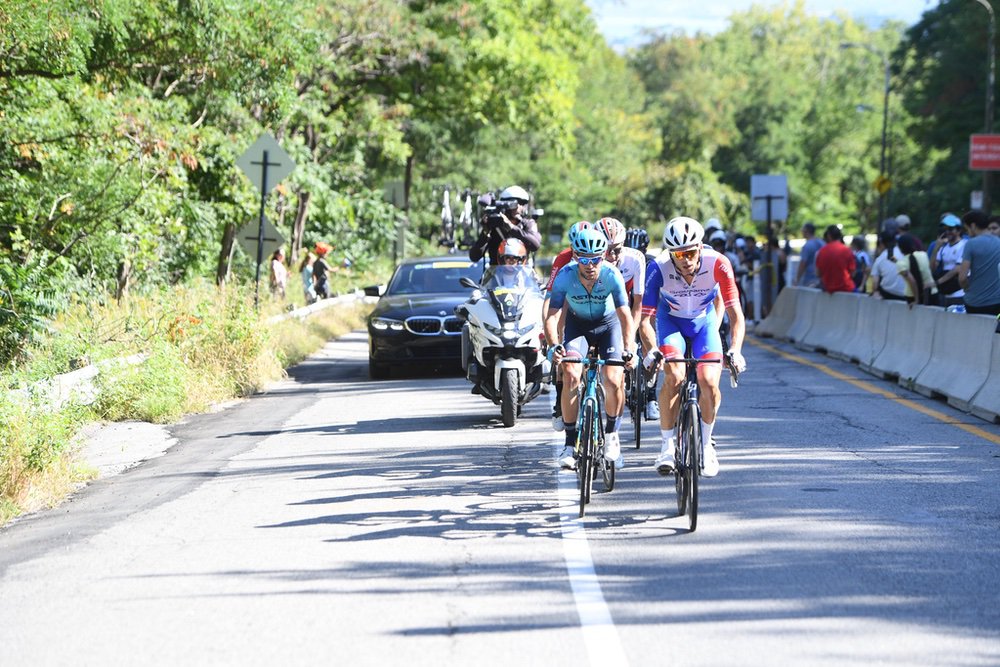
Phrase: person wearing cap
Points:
(509, 219)
(903, 224)
(948, 249)
(806, 275)
(979, 272)
(835, 262)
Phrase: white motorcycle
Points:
(502, 338)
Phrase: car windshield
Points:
(439, 276)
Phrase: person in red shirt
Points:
(835, 262)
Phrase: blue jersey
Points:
(607, 294)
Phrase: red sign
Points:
(984, 152)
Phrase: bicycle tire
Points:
(607, 467)
(692, 463)
(638, 403)
(585, 463)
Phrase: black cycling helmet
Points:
(637, 238)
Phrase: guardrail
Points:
(951, 356)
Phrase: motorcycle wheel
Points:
(508, 397)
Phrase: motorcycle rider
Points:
(681, 290)
(589, 294)
(509, 220)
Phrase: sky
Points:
(621, 21)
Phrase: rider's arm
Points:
(731, 300)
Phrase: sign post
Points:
(769, 202)
(265, 164)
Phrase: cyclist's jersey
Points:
(664, 285)
(607, 294)
(561, 260)
(631, 264)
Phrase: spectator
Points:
(321, 270)
(994, 227)
(979, 272)
(903, 223)
(306, 271)
(835, 262)
(862, 263)
(279, 274)
(806, 275)
(510, 219)
(887, 282)
(948, 250)
(915, 267)
(890, 225)
(773, 245)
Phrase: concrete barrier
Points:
(909, 337)
(806, 299)
(780, 319)
(960, 357)
(986, 402)
(870, 331)
(834, 322)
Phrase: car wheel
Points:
(377, 371)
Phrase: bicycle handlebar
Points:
(727, 362)
(600, 362)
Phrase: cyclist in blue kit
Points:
(591, 293)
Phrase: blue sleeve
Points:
(654, 281)
(558, 295)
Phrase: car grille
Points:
(433, 326)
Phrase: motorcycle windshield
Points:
(512, 288)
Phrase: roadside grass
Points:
(202, 345)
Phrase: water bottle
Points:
(956, 308)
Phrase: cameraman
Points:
(507, 219)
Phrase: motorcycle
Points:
(502, 338)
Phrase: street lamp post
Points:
(882, 185)
(990, 79)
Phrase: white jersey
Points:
(666, 287)
(632, 264)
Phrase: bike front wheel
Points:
(585, 463)
(690, 465)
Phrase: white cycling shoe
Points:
(567, 459)
(652, 411)
(612, 447)
(664, 463)
(710, 466)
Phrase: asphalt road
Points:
(336, 519)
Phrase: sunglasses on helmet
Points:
(587, 261)
(690, 253)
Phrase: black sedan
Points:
(414, 320)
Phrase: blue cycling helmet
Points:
(578, 227)
(589, 242)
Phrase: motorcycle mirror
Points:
(466, 281)
(538, 212)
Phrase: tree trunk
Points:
(225, 254)
(299, 226)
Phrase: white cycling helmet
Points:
(682, 233)
(515, 192)
(613, 230)
(578, 227)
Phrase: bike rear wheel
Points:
(638, 402)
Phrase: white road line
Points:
(604, 646)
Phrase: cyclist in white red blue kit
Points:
(681, 287)
(590, 293)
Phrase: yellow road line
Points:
(869, 387)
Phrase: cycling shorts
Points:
(605, 334)
(703, 332)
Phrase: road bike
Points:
(467, 223)
(590, 428)
(689, 453)
(635, 397)
(447, 221)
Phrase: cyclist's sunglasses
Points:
(690, 253)
(586, 261)
(614, 251)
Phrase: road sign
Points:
(882, 184)
(766, 188)
(247, 238)
(266, 163)
(984, 152)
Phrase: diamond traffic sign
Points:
(247, 237)
(266, 163)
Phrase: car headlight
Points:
(386, 324)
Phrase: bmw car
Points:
(414, 320)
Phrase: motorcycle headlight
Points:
(386, 324)
(496, 331)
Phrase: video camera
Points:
(495, 212)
